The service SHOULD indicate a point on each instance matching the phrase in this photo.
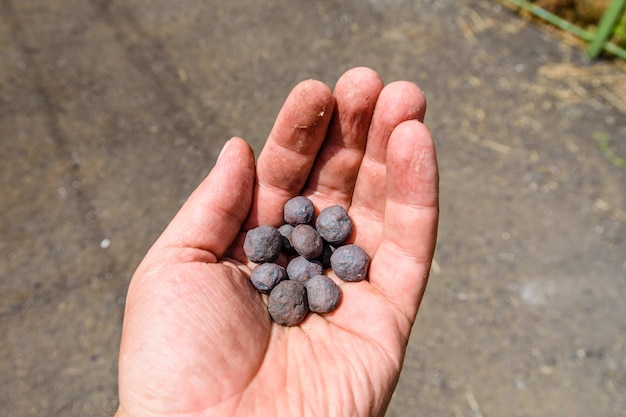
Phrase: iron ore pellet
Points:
(318, 244)
(266, 276)
(350, 263)
(334, 224)
(299, 210)
(324, 258)
(301, 269)
(288, 303)
(306, 241)
(323, 294)
(262, 244)
(286, 230)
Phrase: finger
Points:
(289, 153)
(398, 102)
(401, 264)
(210, 219)
(334, 174)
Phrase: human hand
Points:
(197, 338)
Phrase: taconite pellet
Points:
(334, 224)
(301, 269)
(286, 230)
(324, 257)
(302, 286)
(350, 263)
(323, 294)
(287, 303)
(262, 244)
(306, 241)
(299, 210)
(266, 276)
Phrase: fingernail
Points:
(226, 146)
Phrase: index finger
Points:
(290, 151)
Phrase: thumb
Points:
(212, 216)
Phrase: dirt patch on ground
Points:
(604, 80)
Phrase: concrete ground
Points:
(113, 111)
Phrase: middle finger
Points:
(334, 174)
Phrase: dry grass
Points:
(603, 80)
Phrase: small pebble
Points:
(323, 294)
(266, 276)
(306, 241)
(334, 224)
(301, 269)
(286, 230)
(350, 263)
(299, 210)
(288, 304)
(262, 244)
(324, 258)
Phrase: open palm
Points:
(197, 337)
